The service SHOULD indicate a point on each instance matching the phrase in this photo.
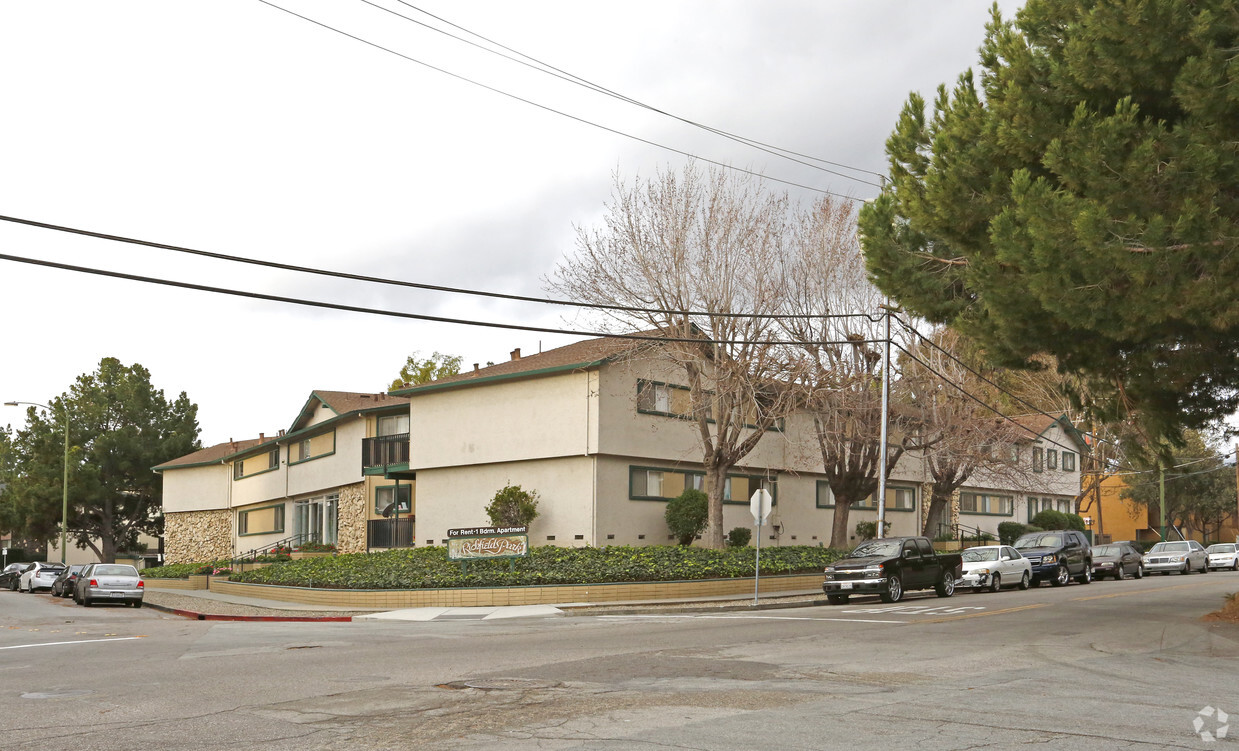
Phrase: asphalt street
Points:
(1108, 665)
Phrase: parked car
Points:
(10, 575)
(1117, 559)
(1057, 555)
(993, 567)
(1184, 556)
(111, 582)
(40, 576)
(891, 566)
(1223, 555)
(63, 586)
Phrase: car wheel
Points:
(1025, 580)
(946, 586)
(995, 583)
(137, 603)
(1205, 568)
(1140, 571)
(1087, 576)
(13, 586)
(87, 601)
(837, 599)
(1061, 576)
(1235, 567)
(1187, 568)
(894, 590)
(1119, 573)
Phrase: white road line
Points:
(80, 641)
(754, 617)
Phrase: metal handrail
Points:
(291, 543)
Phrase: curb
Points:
(257, 618)
(672, 608)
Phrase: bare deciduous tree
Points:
(840, 385)
(711, 243)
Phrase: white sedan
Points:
(1223, 555)
(40, 576)
(993, 567)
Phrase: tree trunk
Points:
(938, 515)
(716, 478)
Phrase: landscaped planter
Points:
(297, 555)
(251, 566)
(194, 582)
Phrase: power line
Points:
(552, 109)
(976, 399)
(390, 313)
(563, 75)
(1180, 477)
(415, 285)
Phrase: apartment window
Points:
(648, 483)
(393, 425)
(393, 499)
(313, 447)
(1038, 459)
(1069, 461)
(1064, 505)
(900, 499)
(261, 521)
(255, 464)
(653, 397)
(318, 518)
(986, 503)
(825, 499)
(1051, 459)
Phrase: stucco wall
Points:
(194, 536)
(196, 488)
(340, 468)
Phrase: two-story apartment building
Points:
(600, 433)
(336, 476)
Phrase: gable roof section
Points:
(578, 356)
(343, 403)
(1040, 423)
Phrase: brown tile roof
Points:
(211, 454)
(579, 353)
(348, 401)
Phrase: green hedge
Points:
(429, 568)
(181, 570)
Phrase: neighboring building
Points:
(306, 483)
(1113, 517)
(600, 435)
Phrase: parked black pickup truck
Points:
(891, 566)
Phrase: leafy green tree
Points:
(417, 370)
(119, 427)
(687, 515)
(1082, 201)
(513, 507)
(1200, 487)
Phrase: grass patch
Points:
(429, 568)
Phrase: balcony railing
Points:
(390, 533)
(385, 451)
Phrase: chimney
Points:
(262, 437)
(516, 353)
(475, 367)
(281, 432)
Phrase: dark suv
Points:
(1057, 555)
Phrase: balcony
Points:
(390, 533)
(385, 453)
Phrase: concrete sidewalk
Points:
(207, 605)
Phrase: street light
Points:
(64, 504)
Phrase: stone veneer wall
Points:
(351, 537)
(952, 511)
(194, 536)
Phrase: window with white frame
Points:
(393, 425)
(1069, 461)
(1038, 459)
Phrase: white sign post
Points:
(759, 505)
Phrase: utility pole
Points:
(886, 406)
(1161, 494)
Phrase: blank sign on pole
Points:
(759, 504)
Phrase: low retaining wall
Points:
(392, 599)
(193, 582)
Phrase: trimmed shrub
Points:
(429, 568)
(1076, 522)
(513, 507)
(1009, 532)
(869, 530)
(686, 515)
(182, 570)
(1051, 519)
(739, 537)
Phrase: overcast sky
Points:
(235, 127)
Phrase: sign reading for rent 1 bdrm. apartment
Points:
(473, 543)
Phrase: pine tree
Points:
(1082, 201)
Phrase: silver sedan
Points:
(109, 582)
(1184, 556)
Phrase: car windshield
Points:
(1221, 548)
(1039, 541)
(1107, 550)
(115, 570)
(972, 555)
(1171, 547)
(878, 548)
